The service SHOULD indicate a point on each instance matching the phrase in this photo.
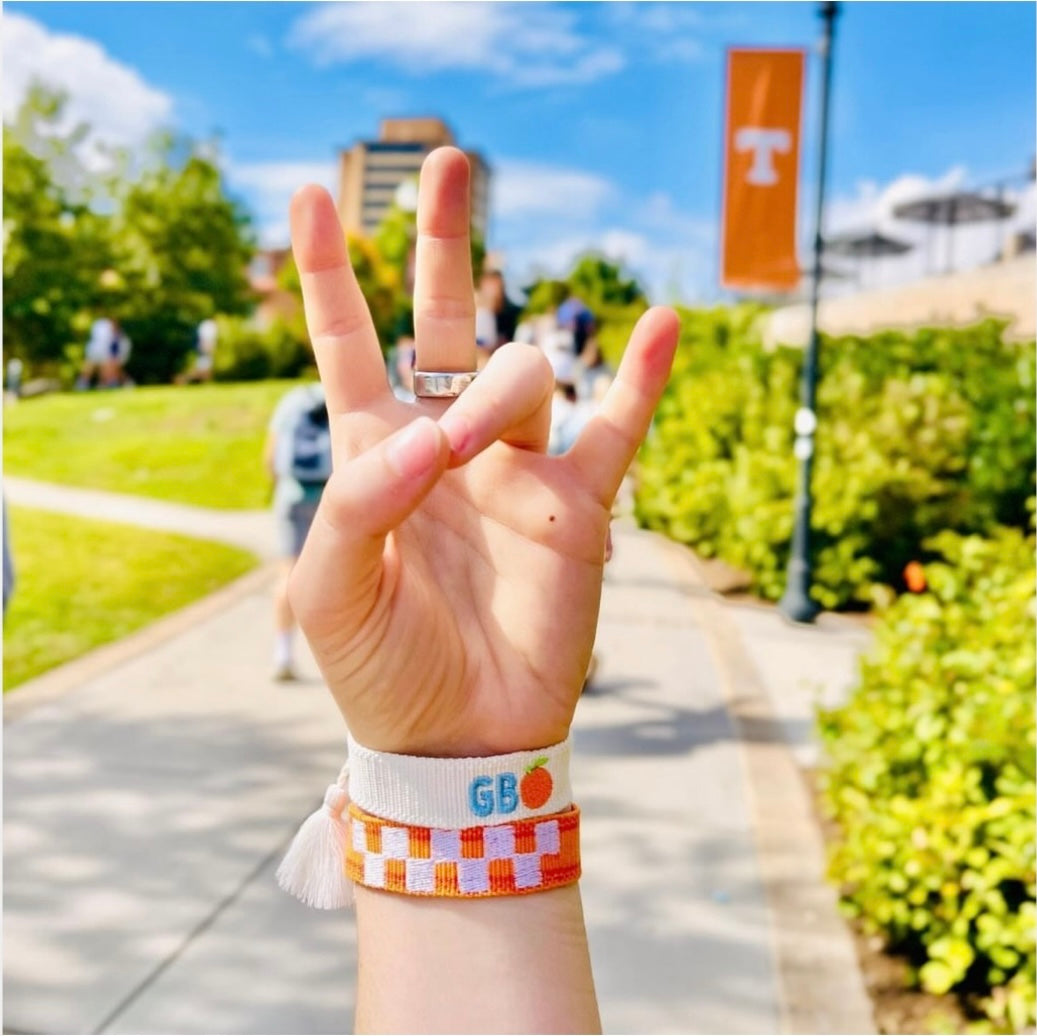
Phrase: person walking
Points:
(204, 358)
(117, 355)
(15, 368)
(575, 319)
(496, 316)
(107, 351)
(298, 459)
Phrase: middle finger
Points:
(444, 295)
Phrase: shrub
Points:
(917, 433)
(615, 323)
(248, 353)
(162, 342)
(931, 777)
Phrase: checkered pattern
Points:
(504, 860)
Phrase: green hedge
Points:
(247, 353)
(931, 777)
(918, 432)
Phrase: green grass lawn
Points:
(83, 583)
(198, 444)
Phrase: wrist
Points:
(466, 744)
(497, 951)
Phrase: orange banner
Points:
(761, 169)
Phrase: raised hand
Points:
(450, 583)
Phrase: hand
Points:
(450, 583)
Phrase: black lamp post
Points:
(796, 603)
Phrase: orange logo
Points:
(536, 786)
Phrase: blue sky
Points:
(602, 121)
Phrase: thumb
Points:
(340, 567)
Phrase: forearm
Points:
(494, 965)
(444, 523)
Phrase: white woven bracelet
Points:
(460, 793)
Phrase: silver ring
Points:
(441, 384)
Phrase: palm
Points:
(494, 598)
(453, 611)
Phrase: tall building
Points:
(371, 171)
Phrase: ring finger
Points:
(511, 401)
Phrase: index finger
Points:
(344, 339)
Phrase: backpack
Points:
(309, 461)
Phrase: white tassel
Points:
(313, 870)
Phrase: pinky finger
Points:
(609, 442)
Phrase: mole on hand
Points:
(551, 518)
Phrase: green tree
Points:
(383, 288)
(394, 246)
(394, 242)
(602, 284)
(615, 299)
(544, 295)
(384, 270)
(56, 247)
(395, 239)
(182, 249)
(599, 282)
(154, 242)
(381, 284)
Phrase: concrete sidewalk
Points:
(251, 530)
(146, 808)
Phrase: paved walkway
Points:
(147, 804)
(251, 530)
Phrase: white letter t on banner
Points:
(763, 143)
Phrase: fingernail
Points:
(414, 450)
(458, 430)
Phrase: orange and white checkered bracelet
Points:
(510, 859)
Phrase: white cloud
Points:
(544, 218)
(658, 212)
(111, 97)
(281, 177)
(673, 31)
(585, 69)
(1025, 216)
(387, 99)
(667, 17)
(871, 207)
(670, 252)
(625, 246)
(259, 44)
(668, 272)
(268, 188)
(520, 44)
(556, 257)
(671, 267)
(520, 189)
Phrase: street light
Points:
(796, 603)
